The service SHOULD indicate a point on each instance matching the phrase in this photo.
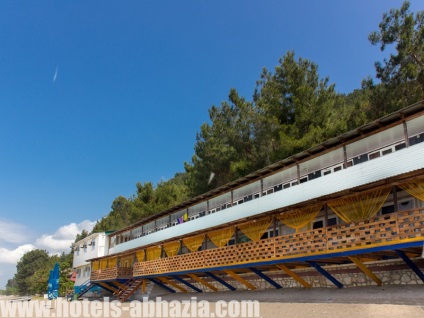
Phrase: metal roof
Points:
(360, 132)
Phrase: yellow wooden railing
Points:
(405, 226)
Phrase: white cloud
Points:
(56, 243)
(13, 256)
(12, 232)
(61, 240)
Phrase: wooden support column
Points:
(203, 282)
(262, 188)
(293, 275)
(204, 243)
(298, 174)
(365, 270)
(405, 133)
(395, 198)
(326, 215)
(143, 286)
(274, 226)
(169, 282)
(240, 279)
(344, 157)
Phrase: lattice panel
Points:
(125, 272)
(301, 243)
(411, 224)
(378, 230)
(255, 251)
(104, 274)
(221, 256)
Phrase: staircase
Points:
(85, 288)
(128, 289)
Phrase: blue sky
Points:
(98, 95)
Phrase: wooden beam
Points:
(167, 281)
(143, 286)
(293, 275)
(202, 281)
(107, 286)
(365, 270)
(120, 285)
(240, 279)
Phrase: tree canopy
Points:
(402, 74)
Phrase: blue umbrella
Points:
(49, 283)
(53, 284)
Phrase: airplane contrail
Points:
(55, 75)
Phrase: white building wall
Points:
(84, 250)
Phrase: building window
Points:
(406, 205)
(332, 221)
(269, 233)
(387, 209)
(320, 222)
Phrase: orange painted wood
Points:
(381, 230)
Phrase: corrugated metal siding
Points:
(399, 162)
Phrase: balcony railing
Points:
(112, 273)
(405, 226)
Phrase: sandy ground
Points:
(363, 302)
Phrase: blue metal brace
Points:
(186, 283)
(219, 280)
(161, 285)
(326, 274)
(262, 275)
(411, 264)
